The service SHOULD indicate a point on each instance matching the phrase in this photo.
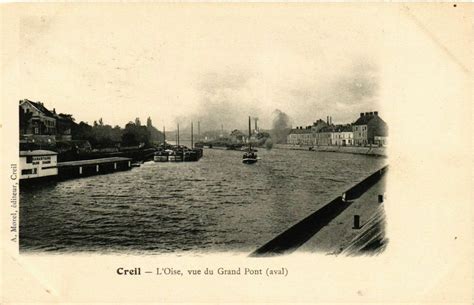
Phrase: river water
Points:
(214, 205)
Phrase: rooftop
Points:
(40, 107)
(300, 131)
(327, 129)
(343, 128)
(38, 152)
(366, 117)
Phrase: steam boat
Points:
(250, 157)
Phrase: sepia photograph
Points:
(236, 152)
(213, 139)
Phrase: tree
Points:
(117, 134)
(134, 134)
(155, 134)
(67, 116)
(82, 131)
(137, 122)
(101, 135)
(25, 118)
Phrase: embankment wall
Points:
(373, 151)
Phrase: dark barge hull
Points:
(249, 161)
(84, 168)
(188, 156)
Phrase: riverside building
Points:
(367, 127)
(343, 136)
(300, 136)
(38, 164)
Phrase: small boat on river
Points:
(250, 157)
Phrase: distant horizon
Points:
(218, 67)
(187, 125)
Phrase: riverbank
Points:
(352, 223)
(359, 150)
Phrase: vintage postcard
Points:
(236, 152)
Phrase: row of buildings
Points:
(369, 129)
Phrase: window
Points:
(31, 171)
(46, 162)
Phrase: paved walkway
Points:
(338, 234)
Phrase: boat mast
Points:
(164, 135)
(192, 136)
(250, 148)
(199, 130)
(178, 134)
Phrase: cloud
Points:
(350, 91)
(225, 98)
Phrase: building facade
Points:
(367, 127)
(38, 164)
(380, 141)
(324, 136)
(38, 120)
(343, 136)
(40, 124)
(300, 136)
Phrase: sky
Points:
(219, 64)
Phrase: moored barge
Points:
(181, 154)
(39, 165)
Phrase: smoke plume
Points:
(226, 99)
(281, 126)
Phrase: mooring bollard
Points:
(356, 222)
(380, 198)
